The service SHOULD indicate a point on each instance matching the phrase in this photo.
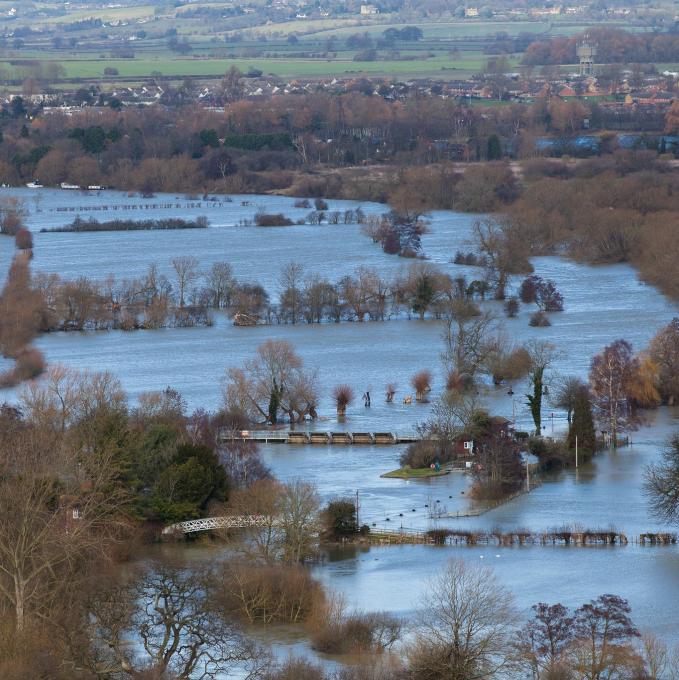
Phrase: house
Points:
(471, 12)
(545, 11)
(369, 10)
(464, 446)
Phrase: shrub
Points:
(421, 382)
(296, 669)
(23, 239)
(320, 204)
(539, 320)
(512, 307)
(29, 364)
(456, 382)
(544, 293)
(439, 536)
(422, 454)
(467, 258)
(268, 594)
(302, 203)
(263, 219)
(391, 243)
(339, 518)
(552, 454)
(357, 633)
(342, 395)
(529, 289)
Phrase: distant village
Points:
(648, 100)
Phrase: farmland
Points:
(134, 43)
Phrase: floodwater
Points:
(601, 304)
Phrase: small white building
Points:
(471, 11)
(369, 9)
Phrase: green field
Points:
(213, 53)
(437, 67)
(105, 14)
(414, 473)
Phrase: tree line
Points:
(259, 145)
(614, 46)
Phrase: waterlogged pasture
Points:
(601, 304)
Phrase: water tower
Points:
(586, 51)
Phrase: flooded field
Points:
(601, 305)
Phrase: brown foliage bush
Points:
(23, 239)
(421, 383)
(342, 395)
(263, 219)
(268, 594)
(357, 633)
(422, 455)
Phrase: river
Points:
(601, 304)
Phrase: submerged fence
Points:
(564, 537)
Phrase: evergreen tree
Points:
(494, 151)
(424, 295)
(274, 402)
(582, 425)
(535, 399)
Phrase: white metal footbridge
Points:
(192, 526)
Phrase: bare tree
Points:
(542, 356)
(51, 402)
(58, 510)
(664, 350)
(291, 296)
(220, 283)
(657, 659)
(464, 627)
(542, 645)
(186, 270)
(169, 610)
(504, 249)
(299, 513)
(466, 335)
(610, 374)
(566, 394)
(662, 483)
(273, 380)
(262, 499)
(603, 631)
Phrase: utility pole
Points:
(576, 451)
(527, 475)
(358, 524)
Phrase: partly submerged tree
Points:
(464, 626)
(662, 483)
(274, 379)
(581, 428)
(610, 374)
(542, 356)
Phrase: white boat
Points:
(71, 187)
(94, 187)
(35, 184)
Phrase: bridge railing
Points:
(314, 435)
(213, 523)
